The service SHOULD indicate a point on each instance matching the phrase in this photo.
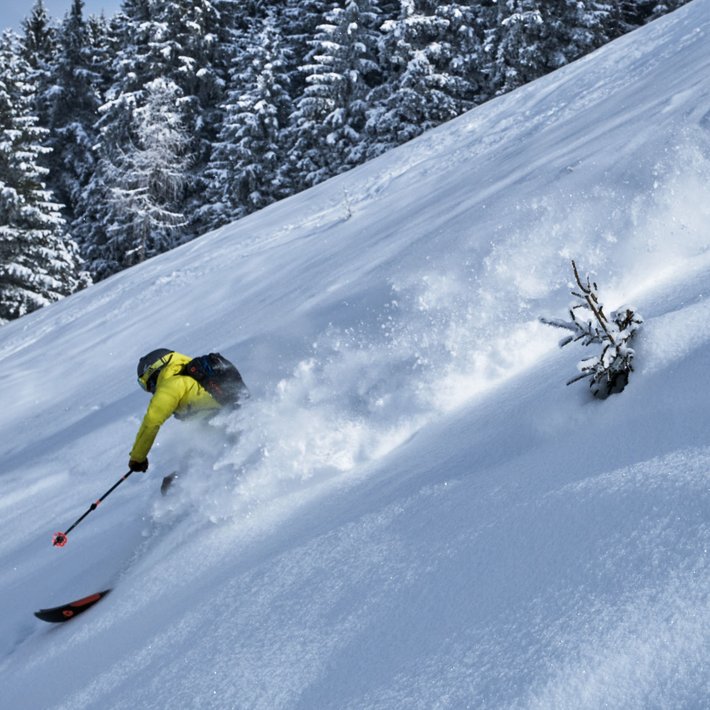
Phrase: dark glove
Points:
(140, 466)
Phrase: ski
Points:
(68, 611)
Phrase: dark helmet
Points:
(150, 365)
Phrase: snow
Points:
(413, 510)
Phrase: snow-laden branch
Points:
(609, 371)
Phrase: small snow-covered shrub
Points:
(607, 372)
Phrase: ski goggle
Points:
(149, 384)
(150, 376)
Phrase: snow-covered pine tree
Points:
(431, 56)
(144, 51)
(39, 38)
(39, 45)
(533, 37)
(39, 263)
(627, 15)
(357, 32)
(298, 22)
(103, 41)
(126, 40)
(329, 117)
(634, 13)
(663, 7)
(191, 46)
(608, 372)
(250, 152)
(429, 69)
(73, 101)
(517, 44)
(466, 63)
(187, 43)
(585, 26)
(146, 183)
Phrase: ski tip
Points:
(67, 611)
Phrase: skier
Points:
(187, 388)
(160, 372)
(182, 386)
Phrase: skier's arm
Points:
(163, 403)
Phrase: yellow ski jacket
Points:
(174, 394)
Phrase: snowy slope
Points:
(413, 511)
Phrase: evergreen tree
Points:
(588, 24)
(608, 373)
(627, 15)
(102, 42)
(434, 55)
(143, 187)
(38, 262)
(330, 115)
(73, 109)
(298, 23)
(516, 44)
(663, 7)
(190, 45)
(531, 38)
(354, 78)
(39, 45)
(183, 42)
(465, 55)
(250, 152)
(100, 221)
(39, 38)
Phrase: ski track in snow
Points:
(413, 511)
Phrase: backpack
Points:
(219, 377)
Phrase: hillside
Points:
(413, 511)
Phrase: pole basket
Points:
(60, 538)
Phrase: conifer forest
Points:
(122, 137)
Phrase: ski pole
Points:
(60, 538)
